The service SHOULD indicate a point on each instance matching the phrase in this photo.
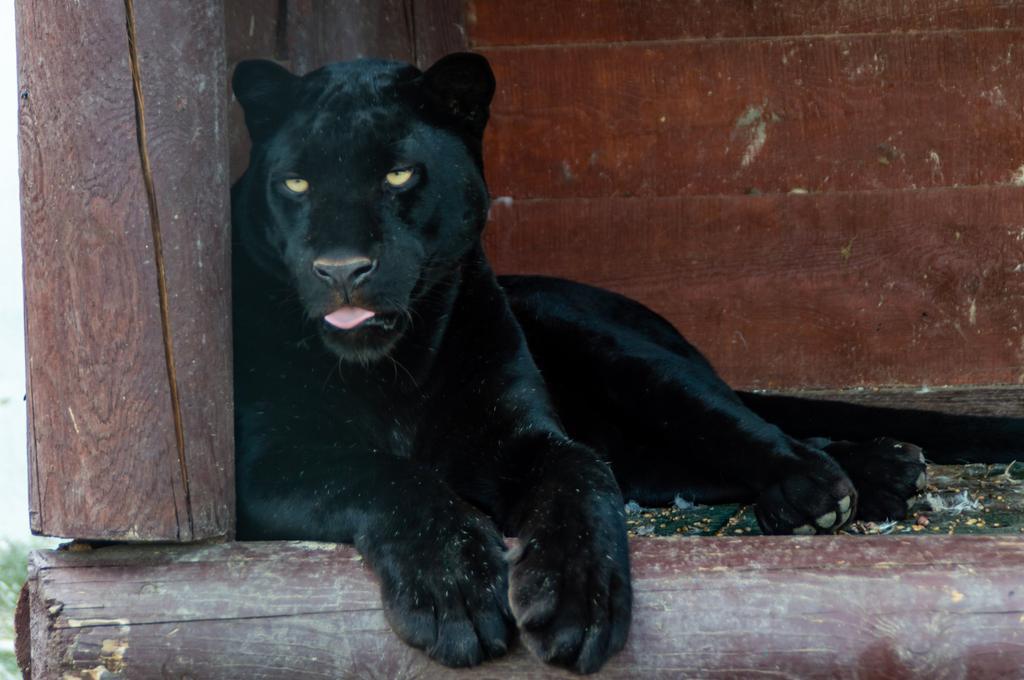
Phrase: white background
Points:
(13, 474)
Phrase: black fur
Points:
(427, 432)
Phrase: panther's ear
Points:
(459, 88)
(264, 89)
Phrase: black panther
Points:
(393, 393)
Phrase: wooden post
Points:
(127, 268)
(796, 607)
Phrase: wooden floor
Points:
(959, 499)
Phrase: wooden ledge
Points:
(836, 607)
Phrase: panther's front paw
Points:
(447, 593)
(570, 590)
(816, 501)
(887, 474)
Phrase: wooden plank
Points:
(541, 22)
(440, 30)
(106, 459)
(835, 607)
(251, 31)
(993, 400)
(183, 76)
(324, 31)
(829, 290)
(766, 116)
(86, 232)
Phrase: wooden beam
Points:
(127, 269)
(440, 29)
(836, 607)
(995, 400)
(830, 290)
(771, 115)
(497, 23)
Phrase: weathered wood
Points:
(652, 147)
(532, 22)
(184, 80)
(771, 115)
(320, 32)
(994, 400)
(251, 31)
(440, 29)
(838, 607)
(128, 343)
(827, 290)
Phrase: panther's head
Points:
(364, 188)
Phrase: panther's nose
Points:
(346, 273)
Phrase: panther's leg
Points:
(569, 574)
(440, 561)
(628, 384)
(502, 448)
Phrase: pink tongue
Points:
(348, 317)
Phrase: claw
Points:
(844, 505)
(804, 530)
(826, 520)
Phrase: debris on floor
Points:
(959, 499)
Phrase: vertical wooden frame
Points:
(127, 269)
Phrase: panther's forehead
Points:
(356, 103)
(354, 123)
(347, 138)
(358, 84)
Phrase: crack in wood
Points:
(154, 221)
(71, 624)
(281, 52)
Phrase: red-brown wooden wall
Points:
(818, 194)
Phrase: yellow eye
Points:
(397, 178)
(297, 185)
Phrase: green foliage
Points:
(13, 570)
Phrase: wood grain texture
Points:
(766, 116)
(440, 29)
(533, 22)
(188, 145)
(995, 400)
(633, 145)
(320, 32)
(415, 31)
(827, 290)
(250, 32)
(104, 461)
(816, 607)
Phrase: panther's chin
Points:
(367, 342)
